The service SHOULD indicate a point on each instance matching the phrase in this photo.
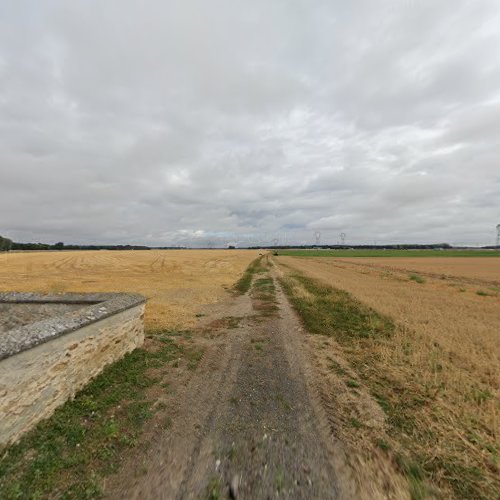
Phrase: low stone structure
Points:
(52, 345)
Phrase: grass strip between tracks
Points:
(243, 285)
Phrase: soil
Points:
(248, 422)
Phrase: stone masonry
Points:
(39, 373)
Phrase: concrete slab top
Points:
(64, 313)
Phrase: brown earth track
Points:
(264, 435)
(250, 421)
(167, 457)
(244, 414)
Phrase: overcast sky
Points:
(188, 122)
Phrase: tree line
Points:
(6, 244)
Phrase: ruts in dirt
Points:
(246, 425)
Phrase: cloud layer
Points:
(190, 122)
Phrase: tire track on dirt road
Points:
(248, 424)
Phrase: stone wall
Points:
(35, 381)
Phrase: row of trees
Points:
(5, 244)
(61, 246)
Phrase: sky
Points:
(234, 122)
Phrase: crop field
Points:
(474, 269)
(389, 253)
(429, 354)
(399, 357)
(177, 282)
(122, 408)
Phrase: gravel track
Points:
(247, 425)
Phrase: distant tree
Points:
(5, 244)
(59, 246)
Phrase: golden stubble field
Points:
(176, 282)
(473, 269)
(447, 310)
(446, 346)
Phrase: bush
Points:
(5, 244)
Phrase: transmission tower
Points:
(498, 235)
(317, 237)
(342, 238)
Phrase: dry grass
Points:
(471, 268)
(439, 371)
(177, 282)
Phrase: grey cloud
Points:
(189, 121)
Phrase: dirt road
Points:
(247, 424)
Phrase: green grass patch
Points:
(390, 253)
(383, 402)
(353, 384)
(280, 480)
(417, 278)
(264, 284)
(383, 445)
(264, 289)
(214, 489)
(194, 357)
(264, 296)
(243, 284)
(259, 343)
(356, 423)
(415, 475)
(333, 312)
(66, 455)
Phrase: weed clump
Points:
(417, 278)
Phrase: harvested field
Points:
(177, 282)
(436, 374)
(388, 253)
(223, 409)
(475, 269)
(458, 318)
(390, 390)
